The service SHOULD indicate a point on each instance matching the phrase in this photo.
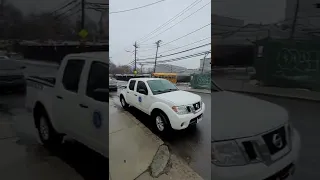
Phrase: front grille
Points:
(248, 147)
(275, 140)
(196, 106)
(11, 78)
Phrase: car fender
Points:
(162, 106)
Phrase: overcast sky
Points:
(37, 6)
(126, 28)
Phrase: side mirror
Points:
(142, 91)
(101, 95)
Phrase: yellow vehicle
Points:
(168, 76)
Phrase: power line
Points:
(178, 52)
(172, 19)
(186, 34)
(121, 11)
(69, 15)
(180, 58)
(70, 9)
(178, 22)
(187, 44)
(68, 4)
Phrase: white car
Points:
(169, 107)
(252, 139)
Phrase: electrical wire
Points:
(69, 15)
(171, 19)
(186, 35)
(179, 58)
(70, 9)
(162, 56)
(177, 22)
(187, 45)
(121, 11)
(68, 4)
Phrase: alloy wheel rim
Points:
(160, 124)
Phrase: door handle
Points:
(135, 95)
(83, 106)
(59, 97)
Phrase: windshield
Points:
(215, 87)
(160, 86)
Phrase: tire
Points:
(161, 122)
(48, 135)
(123, 102)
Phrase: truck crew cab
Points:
(74, 103)
(169, 107)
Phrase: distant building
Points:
(205, 64)
(168, 68)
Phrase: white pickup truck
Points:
(169, 107)
(74, 103)
(251, 139)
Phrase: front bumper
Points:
(260, 171)
(179, 122)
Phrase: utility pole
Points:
(204, 58)
(141, 70)
(135, 55)
(293, 28)
(82, 13)
(155, 60)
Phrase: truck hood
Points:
(179, 98)
(237, 116)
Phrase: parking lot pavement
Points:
(192, 145)
(305, 116)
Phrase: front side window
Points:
(160, 86)
(142, 86)
(98, 77)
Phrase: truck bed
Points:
(47, 81)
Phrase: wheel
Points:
(48, 136)
(161, 121)
(123, 103)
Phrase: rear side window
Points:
(98, 77)
(71, 75)
(131, 85)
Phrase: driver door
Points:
(143, 99)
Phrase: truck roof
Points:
(102, 55)
(144, 79)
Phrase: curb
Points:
(276, 95)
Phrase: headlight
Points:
(180, 109)
(227, 153)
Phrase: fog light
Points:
(182, 124)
